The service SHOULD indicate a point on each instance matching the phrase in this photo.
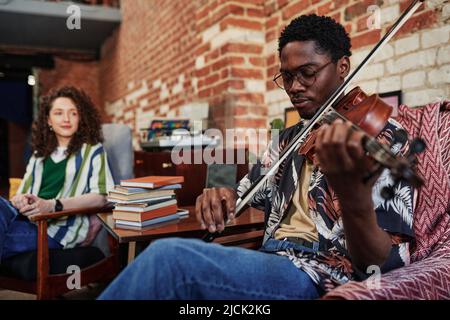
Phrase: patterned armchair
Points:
(428, 275)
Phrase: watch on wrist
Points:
(58, 206)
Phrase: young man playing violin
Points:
(326, 224)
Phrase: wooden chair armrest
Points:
(70, 212)
(43, 264)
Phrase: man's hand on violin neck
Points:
(342, 159)
(214, 207)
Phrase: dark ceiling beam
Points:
(43, 24)
(13, 61)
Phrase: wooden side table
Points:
(250, 220)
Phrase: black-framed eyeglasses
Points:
(306, 75)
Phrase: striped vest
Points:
(87, 171)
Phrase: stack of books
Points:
(146, 201)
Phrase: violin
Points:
(367, 113)
(370, 114)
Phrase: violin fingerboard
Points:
(380, 152)
(329, 116)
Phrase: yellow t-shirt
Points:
(298, 222)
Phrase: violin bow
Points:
(324, 109)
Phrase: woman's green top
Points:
(52, 178)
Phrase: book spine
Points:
(137, 216)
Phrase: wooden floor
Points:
(87, 293)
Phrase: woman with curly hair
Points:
(68, 170)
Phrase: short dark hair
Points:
(329, 35)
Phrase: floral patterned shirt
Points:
(331, 266)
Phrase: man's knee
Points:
(170, 256)
(164, 246)
(176, 252)
(170, 248)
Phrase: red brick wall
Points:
(230, 64)
(215, 59)
(174, 58)
(83, 75)
(416, 45)
(151, 53)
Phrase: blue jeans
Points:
(17, 233)
(185, 269)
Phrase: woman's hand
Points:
(20, 200)
(37, 205)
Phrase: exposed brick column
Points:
(230, 67)
(147, 65)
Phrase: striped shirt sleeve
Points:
(100, 180)
(26, 182)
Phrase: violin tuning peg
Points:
(417, 146)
